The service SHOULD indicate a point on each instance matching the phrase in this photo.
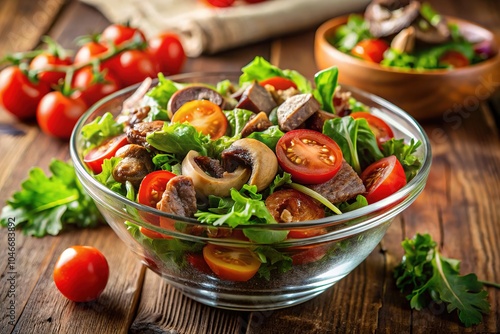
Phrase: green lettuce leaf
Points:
(100, 129)
(179, 139)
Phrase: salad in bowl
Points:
(251, 190)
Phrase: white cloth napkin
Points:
(208, 30)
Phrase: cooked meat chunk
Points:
(256, 98)
(179, 197)
(280, 96)
(345, 185)
(210, 166)
(257, 123)
(295, 110)
(134, 166)
(137, 133)
(318, 119)
(192, 93)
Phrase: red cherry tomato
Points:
(370, 49)
(231, 263)
(152, 187)
(44, 60)
(205, 116)
(220, 3)
(168, 52)
(18, 95)
(383, 178)
(90, 90)
(89, 51)
(309, 156)
(380, 129)
(307, 254)
(95, 157)
(133, 66)
(57, 114)
(119, 33)
(279, 83)
(153, 234)
(198, 262)
(454, 59)
(81, 273)
(290, 205)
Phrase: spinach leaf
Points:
(326, 83)
(270, 136)
(179, 139)
(347, 36)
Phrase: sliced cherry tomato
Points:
(204, 116)
(106, 150)
(307, 254)
(81, 273)
(133, 66)
(383, 178)
(279, 83)
(152, 187)
(92, 88)
(220, 3)
(231, 263)
(120, 33)
(168, 52)
(45, 60)
(57, 114)
(454, 59)
(309, 156)
(370, 49)
(381, 129)
(153, 234)
(18, 95)
(197, 261)
(290, 205)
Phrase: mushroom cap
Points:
(193, 92)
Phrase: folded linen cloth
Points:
(208, 30)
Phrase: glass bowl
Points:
(318, 262)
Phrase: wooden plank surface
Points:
(459, 207)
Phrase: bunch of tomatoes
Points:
(57, 88)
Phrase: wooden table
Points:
(460, 208)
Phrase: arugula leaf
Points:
(260, 69)
(177, 138)
(429, 276)
(326, 83)
(100, 129)
(167, 161)
(47, 204)
(359, 202)
(356, 140)
(405, 154)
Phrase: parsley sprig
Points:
(429, 276)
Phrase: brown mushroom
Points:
(134, 166)
(191, 93)
(404, 41)
(387, 17)
(255, 155)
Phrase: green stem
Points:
(492, 284)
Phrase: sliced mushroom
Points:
(256, 155)
(433, 33)
(404, 41)
(190, 93)
(206, 184)
(390, 17)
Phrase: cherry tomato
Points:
(81, 273)
(307, 254)
(383, 178)
(89, 51)
(279, 83)
(370, 49)
(380, 129)
(44, 60)
(454, 59)
(18, 95)
(309, 156)
(198, 262)
(231, 263)
(95, 157)
(220, 3)
(204, 116)
(168, 52)
(57, 114)
(133, 66)
(153, 234)
(152, 187)
(90, 90)
(290, 205)
(119, 33)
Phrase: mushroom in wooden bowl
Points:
(427, 64)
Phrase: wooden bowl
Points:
(423, 94)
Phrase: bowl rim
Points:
(330, 25)
(377, 212)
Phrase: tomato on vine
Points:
(45, 60)
(168, 52)
(94, 86)
(133, 66)
(119, 34)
